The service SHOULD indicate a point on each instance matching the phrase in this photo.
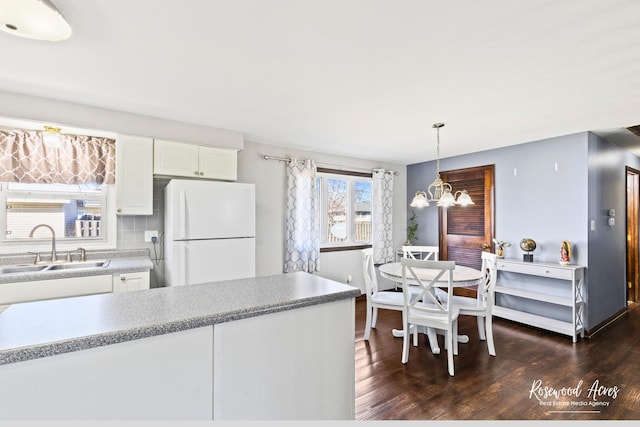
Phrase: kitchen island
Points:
(276, 347)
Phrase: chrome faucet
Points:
(54, 258)
(83, 254)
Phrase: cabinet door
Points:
(126, 282)
(134, 175)
(218, 163)
(175, 158)
(160, 379)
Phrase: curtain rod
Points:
(289, 160)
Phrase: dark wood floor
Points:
(499, 388)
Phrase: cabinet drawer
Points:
(537, 270)
(127, 282)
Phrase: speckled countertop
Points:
(46, 328)
(120, 261)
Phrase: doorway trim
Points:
(632, 240)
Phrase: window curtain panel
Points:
(302, 228)
(78, 160)
(382, 220)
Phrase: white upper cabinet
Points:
(134, 175)
(196, 161)
(218, 163)
(175, 159)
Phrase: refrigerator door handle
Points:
(182, 214)
(183, 263)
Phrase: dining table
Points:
(463, 277)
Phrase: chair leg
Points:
(375, 317)
(481, 323)
(414, 330)
(405, 343)
(448, 337)
(455, 337)
(490, 344)
(367, 325)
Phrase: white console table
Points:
(573, 298)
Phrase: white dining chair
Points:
(389, 300)
(426, 252)
(426, 309)
(482, 305)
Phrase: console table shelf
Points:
(574, 274)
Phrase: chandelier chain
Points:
(438, 151)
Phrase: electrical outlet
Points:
(148, 234)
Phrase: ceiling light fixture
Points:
(440, 191)
(51, 137)
(33, 19)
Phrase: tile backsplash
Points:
(131, 228)
(131, 232)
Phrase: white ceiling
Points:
(363, 78)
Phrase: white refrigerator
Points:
(209, 231)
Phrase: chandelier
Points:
(440, 191)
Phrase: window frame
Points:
(351, 177)
(107, 240)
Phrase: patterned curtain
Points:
(382, 209)
(302, 228)
(78, 160)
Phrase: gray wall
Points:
(607, 245)
(536, 202)
(550, 205)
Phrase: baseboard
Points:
(588, 333)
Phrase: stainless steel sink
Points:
(76, 265)
(22, 269)
(37, 268)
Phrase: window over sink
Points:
(69, 187)
(78, 214)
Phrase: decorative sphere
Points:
(527, 245)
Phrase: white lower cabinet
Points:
(290, 365)
(126, 282)
(37, 290)
(165, 377)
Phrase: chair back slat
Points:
(426, 301)
(486, 288)
(428, 252)
(369, 271)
